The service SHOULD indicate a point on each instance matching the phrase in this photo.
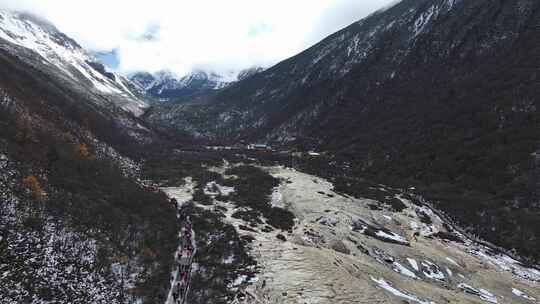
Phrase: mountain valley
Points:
(396, 161)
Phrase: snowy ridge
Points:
(167, 85)
(60, 51)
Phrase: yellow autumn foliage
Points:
(81, 152)
(32, 183)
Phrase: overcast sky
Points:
(182, 35)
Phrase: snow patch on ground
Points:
(482, 293)
(391, 236)
(414, 264)
(452, 261)
(215, 189)
(521, 294)
(243, 279)
(276, 200)
(506, 263)
(382, 283)
(182, 194)
(388, 218)
(432, 271)
(403, 270)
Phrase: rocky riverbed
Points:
(348, 250)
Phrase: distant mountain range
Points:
(166, 86)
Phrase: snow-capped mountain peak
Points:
(166, 85)
(58, 50)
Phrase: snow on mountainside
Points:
(57, 50)
(376, 51)
(166, 85)
(440, 92)
(65, 238)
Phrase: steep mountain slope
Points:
(165, 86)
(378, 51)
(49, 50)
(440, 94)
(76, 225)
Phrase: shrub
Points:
(200, 197)
(24, 129)
(147, 252)
(33, 185)
(339, 246)
(81, 152)
(280, 218)
(281, 237)
(253, 189)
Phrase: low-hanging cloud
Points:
(183, 35)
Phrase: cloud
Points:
(182, 35)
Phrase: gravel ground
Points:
(342, 250)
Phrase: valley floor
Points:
(347, 250)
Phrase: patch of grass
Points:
(200, 197)
(248, 216)
(424, 218)
(280, 218)
(253, 189)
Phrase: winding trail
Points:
(184, 255)
(181, 276)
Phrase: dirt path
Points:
(181, 275)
